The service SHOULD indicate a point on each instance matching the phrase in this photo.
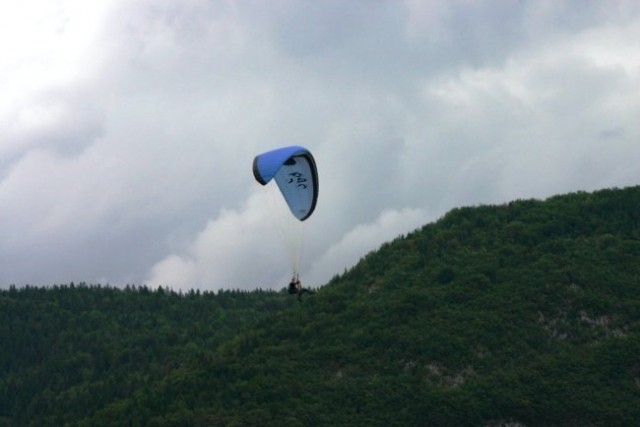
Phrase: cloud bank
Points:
(129, 128)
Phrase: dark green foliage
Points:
(526, 313)
(68, 351)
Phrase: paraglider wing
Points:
(294, 170)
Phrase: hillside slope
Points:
(68, 351)
(526, 313)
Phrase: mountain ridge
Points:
(525, 313)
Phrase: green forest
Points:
(521, 314)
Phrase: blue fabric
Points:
(266, 165)
(294, 170)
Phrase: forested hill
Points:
(524, 314)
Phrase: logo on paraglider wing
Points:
(298, 179)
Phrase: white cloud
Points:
(362, 239)
(238, 249)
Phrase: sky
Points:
(128, 127)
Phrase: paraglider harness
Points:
(295, 287)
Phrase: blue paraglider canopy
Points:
(294, 170)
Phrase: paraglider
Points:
(295, 287)
(294, 170)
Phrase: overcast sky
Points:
(128, 128)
